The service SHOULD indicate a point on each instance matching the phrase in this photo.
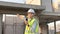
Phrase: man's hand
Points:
(18, 15)
(26, 22)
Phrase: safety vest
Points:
(27, 29)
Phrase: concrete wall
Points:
(44, 29)
(48, 5)
(13, 25)
(1, 23)
(51, 31)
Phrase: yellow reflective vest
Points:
(27, 29)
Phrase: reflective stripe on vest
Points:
(30, 22)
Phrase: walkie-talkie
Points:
(26, 19)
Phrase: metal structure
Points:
(11, 25)
(14, 8)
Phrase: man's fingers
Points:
(17, 14)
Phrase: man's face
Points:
(30, 14)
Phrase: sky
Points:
(15, 1)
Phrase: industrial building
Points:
(45, 11)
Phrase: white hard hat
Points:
(31, 10)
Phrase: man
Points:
(32, 25)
